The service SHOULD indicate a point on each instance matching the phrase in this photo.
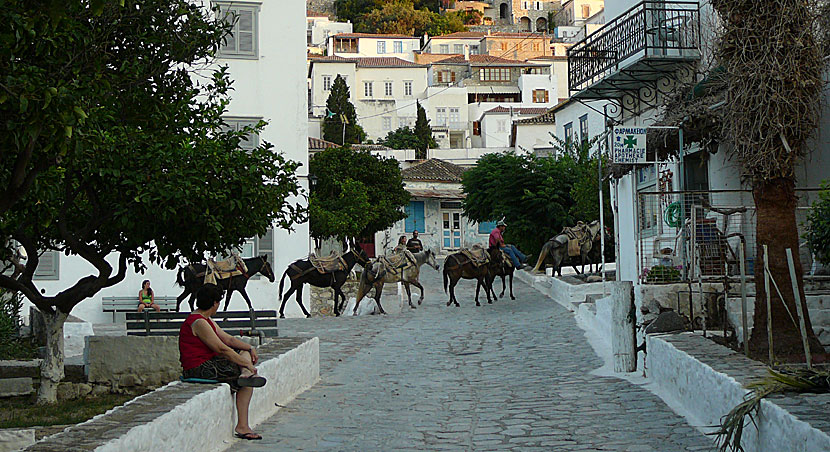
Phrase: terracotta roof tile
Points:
(373, 35)
(315, 144)
(549, 117)
(520, 110)
(519, 35)
(478, 60)
(461, 34)
(371, 147)
(434, 170)
(385, 62)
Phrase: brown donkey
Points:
(459, 265)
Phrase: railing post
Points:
(147, 322)
(623, 334)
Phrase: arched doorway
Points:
(541, 24)
(504, 11)
(524, 24)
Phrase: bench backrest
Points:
(127, 304)
(243, 323)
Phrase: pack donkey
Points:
(192, 278)
(304, 271)
(380, 273)
(556, 251)
(505, 270)
(461, 265)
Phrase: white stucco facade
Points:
(318, 30)
(374, 45)
(269, 86)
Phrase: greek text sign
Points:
(629, 145)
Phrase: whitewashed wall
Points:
(272, 87)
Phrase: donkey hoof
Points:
(478, 304)
(282, 316)
(419, 302)
(512, 297)
(489, 302)
(308, 316)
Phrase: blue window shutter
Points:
(486, 227)
(414, 216)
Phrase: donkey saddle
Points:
(328, 264)
(230, 267)
(399, 261)
(577, 236)
(477, 254)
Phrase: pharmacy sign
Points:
(629, 145)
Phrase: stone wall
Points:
(322, 299)
(320, 6)
(130, 362)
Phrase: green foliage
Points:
(662, 274)
(137, 158)
(532, 194)
(340, 108)
(11, 345)
(356, 195)
(585, 190)
(818, 225)
(424, 133)
(407, 17)
(402, 138)
(20, 412)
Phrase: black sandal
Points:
(250, 436)
(254, 381)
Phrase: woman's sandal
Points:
(250, 436)
(254, 381)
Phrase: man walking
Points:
(496, 240)
(414, 244)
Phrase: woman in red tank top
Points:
(207, 352)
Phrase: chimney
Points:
(489, 31)
(466, 52)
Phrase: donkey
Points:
(459, 266)
(557, 249)
(191, 277)
(375, 279)
(505, 270)
(302, 271)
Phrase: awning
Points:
(442, 194)
(477, 89)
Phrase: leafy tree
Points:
(532, 194)
(402, 138)
(818, 226)
(134, 163)
(451, 22)
(424, 133)
(340, 109)
(397, 17)
(585, 167)
(354, 10)
(357, 194)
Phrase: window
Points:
(48, 266)
(397, 46)
(387, 123)
(503, 46)
(486, 227)
(540, 96)
(569, 133)
(414, 217)
(446, 77)
(387, 89)
(407, 88)
(381, 47)
(326, 83)
(458, 48)
(259, 246)
(251, 141)
(477, 128)
(474, 49)
(494, 74)
(402, 121)
(525, 5)
(583, 128)
(586, 11)
(367, 89)
(444, 48)
(242, 41)
(538, 6)
(455, 115)
(441, 116)
(502, 125)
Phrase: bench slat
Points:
(269, 332)
(225, 325)
(183, 315)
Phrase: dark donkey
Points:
(192, 278)
(504, 270)
(303, 271)
(459, 266)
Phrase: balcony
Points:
(646, 43)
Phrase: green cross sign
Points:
(630, 141)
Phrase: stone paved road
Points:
(515, 375)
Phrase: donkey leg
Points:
(453, 282)
(511, 287)
(228, 295)
(247, 300)
(181, 298)
(408, 294)
(478, 289)
(285, 299)
(502, 286)
(421, 287)
(378, 292)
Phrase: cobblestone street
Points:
(515, 375)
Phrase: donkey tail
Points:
(445, 277)
(282, 281)
(542, 255)
(180, 277)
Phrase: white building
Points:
(454, 43)
(383, 90)
(357, 45)
(319, 28)
(267, 64)
(497, 124)
(577, 12)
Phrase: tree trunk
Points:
(51, 371)
(775, 204)
(624, 336)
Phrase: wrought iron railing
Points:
(649, 29)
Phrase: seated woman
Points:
(146, 298)
(207, 352)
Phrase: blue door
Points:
(451, 229)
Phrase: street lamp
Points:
(312, 180)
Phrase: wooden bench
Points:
(130, 304)
(241, 323)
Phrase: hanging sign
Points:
(629, 145)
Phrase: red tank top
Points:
(192, 351)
